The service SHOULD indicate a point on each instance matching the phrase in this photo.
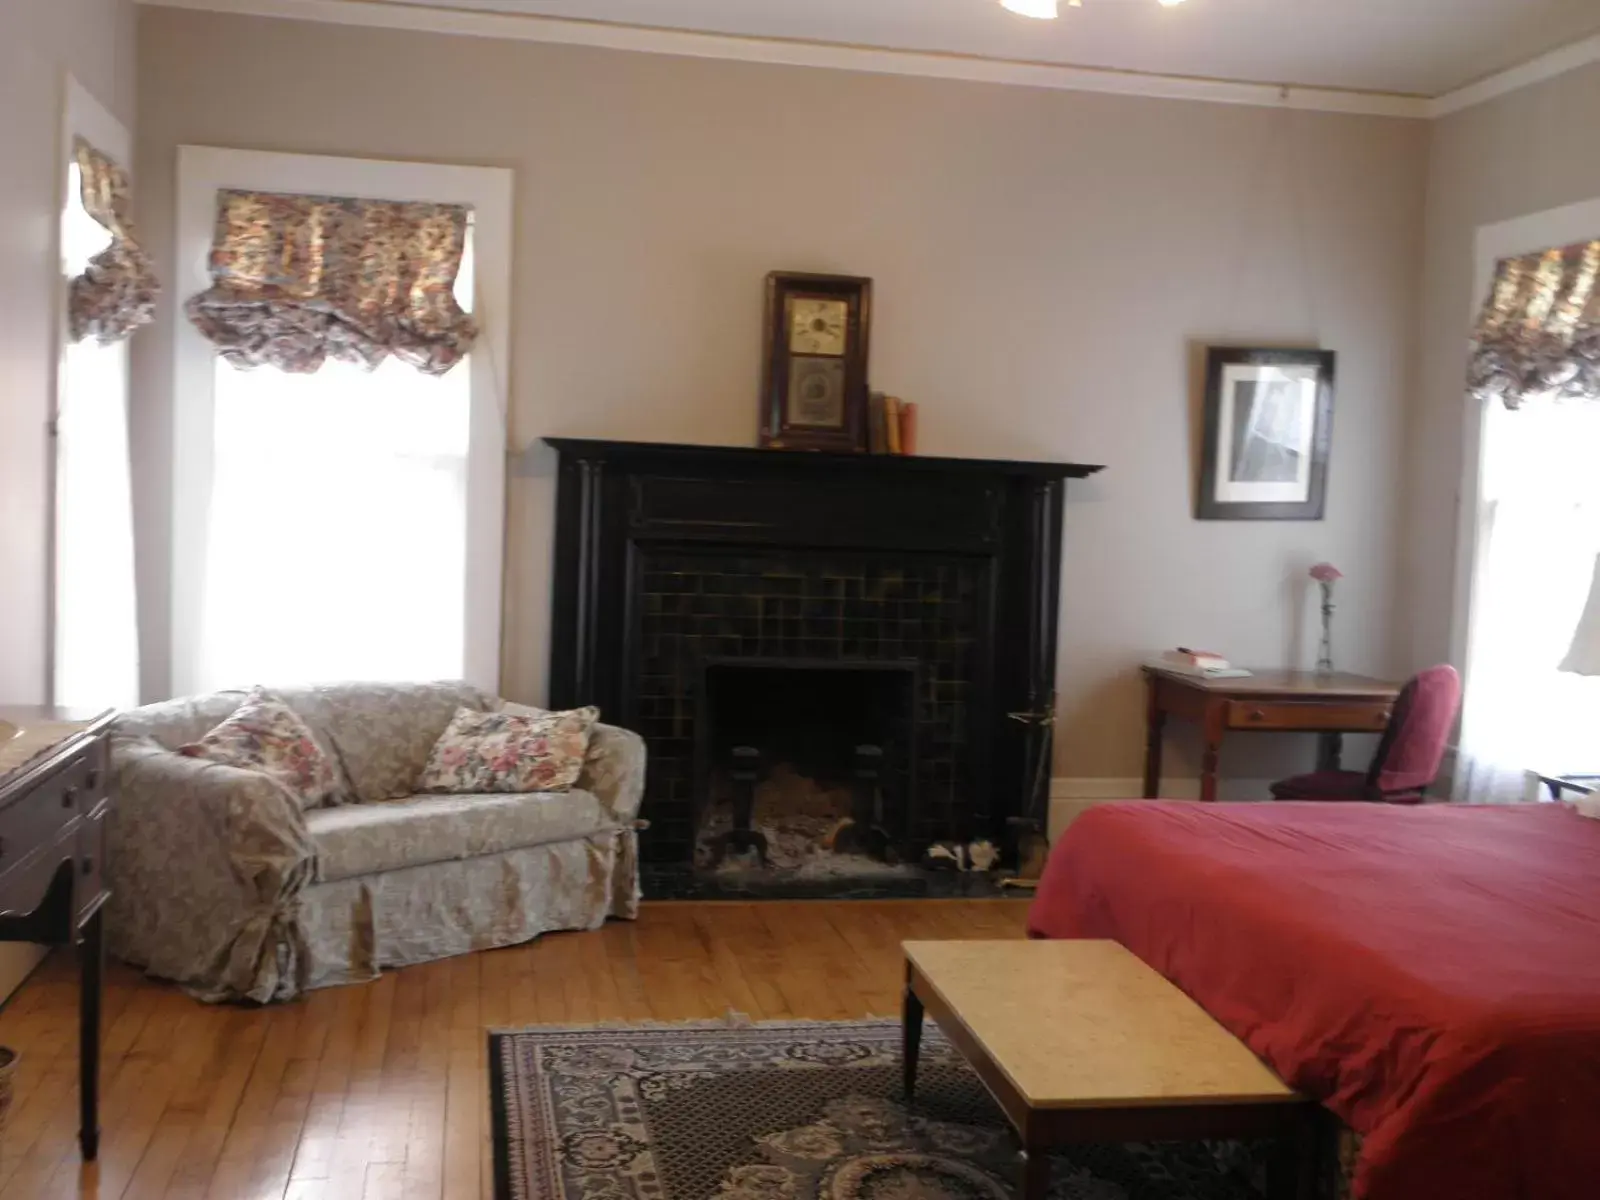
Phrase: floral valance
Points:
(1539, 333)
(299, 279)
(117, 291)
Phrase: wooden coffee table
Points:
(1080, 1041)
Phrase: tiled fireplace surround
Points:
(672, 557)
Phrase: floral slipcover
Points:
(509, 751)
(264, 734)
(221, 881)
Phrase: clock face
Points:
(818, 326)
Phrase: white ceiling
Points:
(1418, 47)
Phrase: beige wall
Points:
(39, 41)
(1527, 152)
(1044, 262)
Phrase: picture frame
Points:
(815, 344)
(1267, 434)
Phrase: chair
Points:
(1408, 757)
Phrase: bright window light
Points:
(338, 527)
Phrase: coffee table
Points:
(1080, 1041)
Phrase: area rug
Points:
(788, 1111)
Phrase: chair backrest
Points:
(1413, 745)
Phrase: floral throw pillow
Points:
(264, 734)
(510, 751)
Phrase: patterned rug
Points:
(788, 1111)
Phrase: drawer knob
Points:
(88, 866)
(91, 780)
(1257, 715)
(69, 797)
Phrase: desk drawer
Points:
(1352, 717)
(34, 820)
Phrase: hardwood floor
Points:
(379, 1091)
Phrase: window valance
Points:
(297, 279)
(116, 292)
(1539, 332)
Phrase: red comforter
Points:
(1432, 974)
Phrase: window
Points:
(1527, 546)
(95, 655)
(343, 524)
(1538, 538)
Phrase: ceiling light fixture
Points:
(1039, 10)
(1048, 10)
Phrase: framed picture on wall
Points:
(1267, 432)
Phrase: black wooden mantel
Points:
(625, 508)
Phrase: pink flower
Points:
(1326, 573)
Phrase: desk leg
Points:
(1211, 754)
(910, 1037)
(1155, 723)
(92, 955)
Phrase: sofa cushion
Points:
(364, 839)
(264, 734)
(526, 751)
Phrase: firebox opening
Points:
(804, 766)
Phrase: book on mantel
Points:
(1205, 664)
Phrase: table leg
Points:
(1211, 752)
(92, 955)
(1292, 1163)
(1155, 723)
(1036, 1174)
(910, 1037)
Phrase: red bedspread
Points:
(1431, 974)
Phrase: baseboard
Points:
(1071, 796)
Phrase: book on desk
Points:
(1202, 664)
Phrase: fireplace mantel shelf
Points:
(661, 453)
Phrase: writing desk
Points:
(55, 795)
(1266, 702)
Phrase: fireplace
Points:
(825, 616)
(805, 766)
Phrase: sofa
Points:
(221, 882)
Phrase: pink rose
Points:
(1326, 573)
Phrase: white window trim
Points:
(1523, 235)
(202, 170)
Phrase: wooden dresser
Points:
(53, 808)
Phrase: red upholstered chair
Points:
(1408, 757)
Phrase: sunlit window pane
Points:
(338, 526)
(96, 661)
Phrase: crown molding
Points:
(1503, 83)
(795, 53)
(528, 27)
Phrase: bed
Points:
(1431, 974)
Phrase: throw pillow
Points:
(264, 734)
(527, 751)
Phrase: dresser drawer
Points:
(91, 855)
(1353, 717)
(37, 818)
